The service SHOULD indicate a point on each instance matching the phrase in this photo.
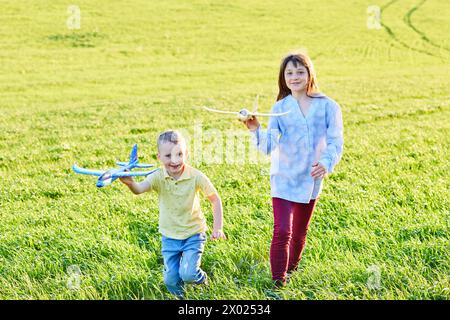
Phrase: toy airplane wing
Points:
(139, 165)
(144, 165)
(78, 169)
(220, 111)
(133, 174)
(270, 114)
(255, 104)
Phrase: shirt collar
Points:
(294, 104)
(187, 174)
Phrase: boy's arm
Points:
(136, 188)
(218, 217)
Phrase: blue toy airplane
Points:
(108, 177)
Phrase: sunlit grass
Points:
(85, 96)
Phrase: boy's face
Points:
(173, 157)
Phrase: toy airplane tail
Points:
(134, 159)
(133, 155)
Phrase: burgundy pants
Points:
(291, 221)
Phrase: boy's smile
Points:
(173, 157)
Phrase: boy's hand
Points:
(126, 180)
(218, 234)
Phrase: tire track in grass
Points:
(393, 36)
(398, 115)
(424, 37)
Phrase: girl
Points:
(305, 145)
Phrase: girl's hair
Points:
(172, 136)
(302, 59)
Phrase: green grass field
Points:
(131, 71)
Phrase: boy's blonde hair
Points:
(172, 136)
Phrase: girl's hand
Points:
(252, 123)
(318, 171)
(218, 234)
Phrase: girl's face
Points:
(296, 77)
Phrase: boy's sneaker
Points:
(204, 282)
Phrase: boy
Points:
(181, 221)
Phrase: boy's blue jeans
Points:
(182, 262)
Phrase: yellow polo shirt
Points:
(180, 215)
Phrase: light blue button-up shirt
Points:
(295, 142)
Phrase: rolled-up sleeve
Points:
(334, 137)
(153, 181)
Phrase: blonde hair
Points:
(172, 136)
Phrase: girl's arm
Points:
(218, 217)
(335, 137)
(265, 140)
